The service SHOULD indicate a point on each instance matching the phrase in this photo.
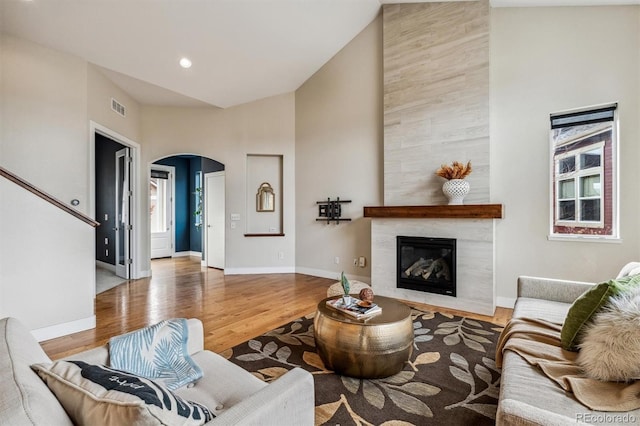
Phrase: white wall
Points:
(2, 315)
(228, 135)
(44, 97)
(546, 60)
(339, 154)
(47, 276)
(100, 92)
(47, 279)
(542, 60)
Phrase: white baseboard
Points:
(187, 253)
(332, 275)
(63, 329)
(506, 302)
(144, 274)
(264, 270)
(105, 265)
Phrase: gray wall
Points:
(339, 154)
(545, 60)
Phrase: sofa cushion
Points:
(537, 398)
(610, 348)
(590, 302)
(157, 352)
(224, 384)
(550, 310)
(24, 398)
(582, 310)
(94, 394)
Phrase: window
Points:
(584, 176)
(158, 201)
(198, 199)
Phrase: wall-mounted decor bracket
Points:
(331, 210)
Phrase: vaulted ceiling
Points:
(241, 50)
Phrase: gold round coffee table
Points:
(373, 348)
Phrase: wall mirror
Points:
(265, 198)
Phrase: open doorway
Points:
(189, 204)
(113, 200)
(162, 210)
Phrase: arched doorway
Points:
(177, 191)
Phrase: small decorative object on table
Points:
(357, 308)
(455, 188)
(346, 299)
(366, 295)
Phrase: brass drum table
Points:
(373, 348)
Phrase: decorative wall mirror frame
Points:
(265, 198)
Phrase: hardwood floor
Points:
(233, 308)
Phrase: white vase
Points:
(455, 190)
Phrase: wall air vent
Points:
(118, 107)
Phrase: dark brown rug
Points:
(451, 378)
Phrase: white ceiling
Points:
(242, 50)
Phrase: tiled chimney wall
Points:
(436, 110)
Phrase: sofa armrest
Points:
(551, 289)
(289, 400)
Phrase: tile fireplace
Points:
(474, 259)
(426, 264)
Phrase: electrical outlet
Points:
(355, 262)
(362, 261)
(233, 225)
(280, 255)
(337, 260)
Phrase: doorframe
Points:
(123, 270)
(205, 218)
(172, 179)
(137, 235)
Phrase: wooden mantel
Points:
(471, 211)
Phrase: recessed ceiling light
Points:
(185, 63)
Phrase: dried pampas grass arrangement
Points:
(454, 171)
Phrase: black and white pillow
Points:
(95, 394)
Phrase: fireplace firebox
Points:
(427, 264)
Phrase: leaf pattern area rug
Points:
(451, 378)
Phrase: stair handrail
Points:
(47, 197)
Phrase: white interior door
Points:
(161, 195)
(214, 218)
(123, 213)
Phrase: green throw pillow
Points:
(585, 306)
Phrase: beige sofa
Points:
(527, 396)
(26, 400)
